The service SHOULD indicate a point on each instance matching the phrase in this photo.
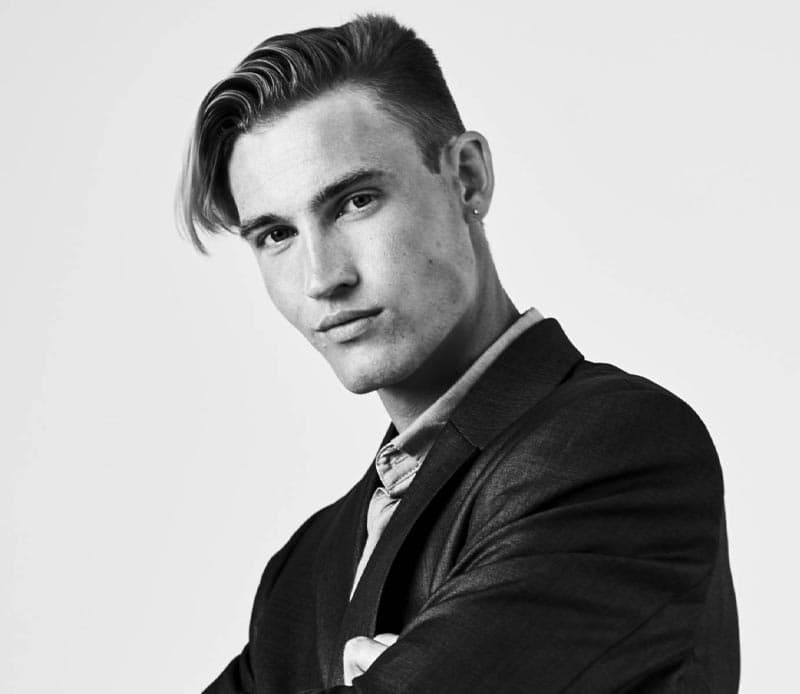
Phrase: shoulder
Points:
(601, 411)
(310, 534)
(593, 383)
(312, 531)
(608, 460)
(605, 429)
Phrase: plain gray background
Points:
(164, 431)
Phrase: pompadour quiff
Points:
(371, 51)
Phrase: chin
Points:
(360, 387)
(370, 374)
(361, 381)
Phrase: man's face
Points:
(361, 247)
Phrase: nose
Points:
(329, 267)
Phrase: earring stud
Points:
(475, 211)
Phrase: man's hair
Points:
(371, 51)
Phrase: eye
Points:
(274, 237)
(356, 202)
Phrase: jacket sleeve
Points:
(237, 678)
(586, 564)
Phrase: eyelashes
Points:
(359, 201)
(277, 237)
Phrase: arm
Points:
(590, 567)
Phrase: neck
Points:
(476, 331)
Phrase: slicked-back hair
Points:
(371, 51)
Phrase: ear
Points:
(471, 159)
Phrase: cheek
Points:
(449, 283)
(448, 270)
(283, 292)
(429, 272)
(429, 291)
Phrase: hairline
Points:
(355, 86)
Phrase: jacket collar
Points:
(526, 372)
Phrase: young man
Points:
(532, 522)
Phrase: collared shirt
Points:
(398, 461)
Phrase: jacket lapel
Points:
(449, 452)
(337, 559)
(525, 373)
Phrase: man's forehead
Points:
(353, 115)
(315, 144)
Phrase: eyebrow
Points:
(332, 190)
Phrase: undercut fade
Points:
(371, 51)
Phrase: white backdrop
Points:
(164, 432)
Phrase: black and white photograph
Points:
(399, 347)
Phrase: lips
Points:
(341, 317)
(343, 326)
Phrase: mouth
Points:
(344, 326)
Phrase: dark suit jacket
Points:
(566, 533)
